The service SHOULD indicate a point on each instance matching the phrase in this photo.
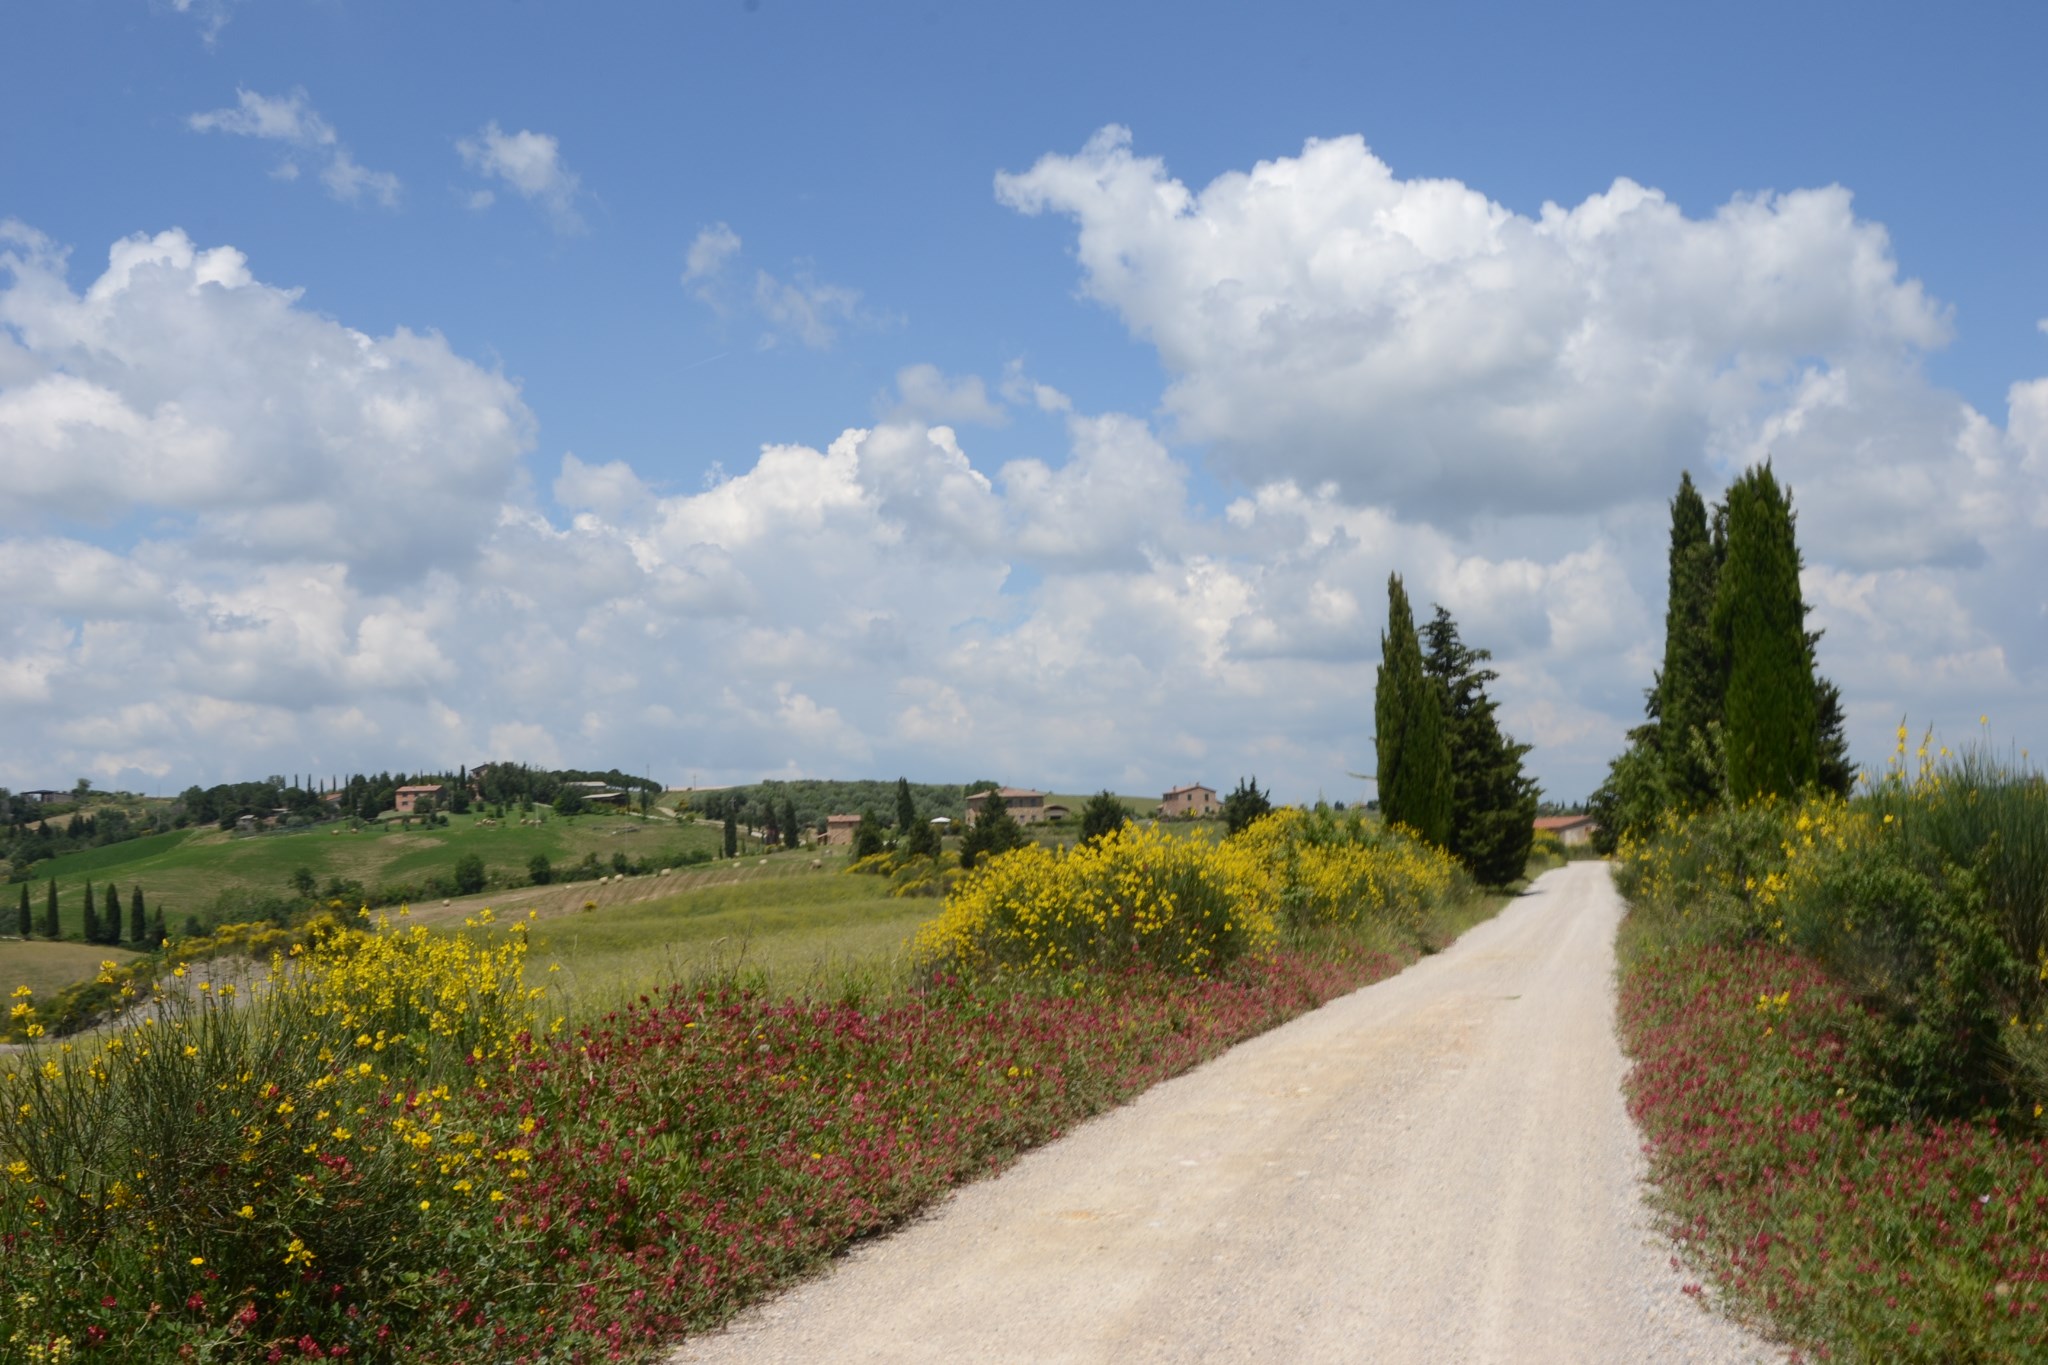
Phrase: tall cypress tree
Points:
(138, 922)
(1688, 696)
(906, 806)
(1771, 708)
(1493, 804)
(1414, 750)
(24, 924)
(51, 927)
(791, 836)
(110, 918)
(91, 931)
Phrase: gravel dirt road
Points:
(1436, 1168)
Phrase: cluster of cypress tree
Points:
(1737, 710)
(1446, 770)
(102, 919)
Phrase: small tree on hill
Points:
(923, 840)
(539, 870)
(469, 874)
(994, 831)
(1245, 804)
(867, 836)
(1103, 816)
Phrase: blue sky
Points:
(1163, 554)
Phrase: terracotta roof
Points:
(1008, 793)
(1190, 787)
(1562, 821)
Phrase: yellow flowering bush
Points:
(1187, 904)
(266, 1130)
(1327, 871)
(1139, 896)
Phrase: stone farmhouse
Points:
(407, 799)
(1571, 830)
(1026, 807)
(1192, 801)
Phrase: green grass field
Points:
(184, 872)
(786, 933)
(47, 968)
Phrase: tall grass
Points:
(1926, 896)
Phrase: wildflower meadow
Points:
(391, 1144)
(1837, 1011)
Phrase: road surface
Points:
(1436, 1168)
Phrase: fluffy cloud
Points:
(1426, 348)
(529, 163)
(292, 120)
(178, 385)
(243, 538)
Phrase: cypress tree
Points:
(906, 807)
(732, 832)
(91, 932)
(51, 927)
(25, 923)
(157, 934)
(110, 918)
(1771, 707)
(791, 835)
(1687, 698)
(138, 922)
(1413, 748)
(1493, 804)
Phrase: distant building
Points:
(407, 799)
(42, 796)
(1571, 830)
(839, 830)
(1056, 812)
(1026, 807)
(1191, 800)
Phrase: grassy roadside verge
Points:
(388, 1164)
(1834, 1020)
(1898, 1242)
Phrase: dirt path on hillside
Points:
(1436, 1168)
